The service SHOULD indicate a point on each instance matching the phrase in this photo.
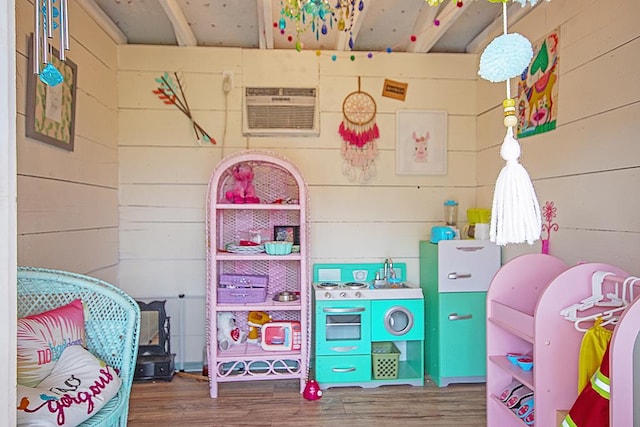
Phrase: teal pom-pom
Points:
(505, 57)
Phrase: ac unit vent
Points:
(280, 111)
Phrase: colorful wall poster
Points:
(537, 102)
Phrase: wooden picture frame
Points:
(287, 233)
(421, 142)
(50, 114)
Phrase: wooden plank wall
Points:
(68, 201)
(590, 165)
(164, 171)
(8, 214)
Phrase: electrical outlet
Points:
(227, 81)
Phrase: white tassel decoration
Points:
(515, 215)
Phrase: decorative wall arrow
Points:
(171, 93)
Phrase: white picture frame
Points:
(421, 142)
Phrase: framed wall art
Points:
(421, 142)
(50, 115)
(287, 233)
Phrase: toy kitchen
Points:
(369, 325)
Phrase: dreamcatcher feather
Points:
(359, 133)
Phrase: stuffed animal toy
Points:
(243, 190)
(255, 320)
(228, 332)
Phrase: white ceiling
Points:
(382, 24)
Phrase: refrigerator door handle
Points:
(456, 316)
(454, 276)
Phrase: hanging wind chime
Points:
(50, 17)
(515, 213)
(359, 132)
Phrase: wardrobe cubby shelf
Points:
(525, 377)
(523, 316)
(507, 413)
(275, 179)
(518, 323)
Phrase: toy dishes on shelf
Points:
(286, 296)
(278, 247)
(523, 361)
(244, 249)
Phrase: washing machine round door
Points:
(398, 320)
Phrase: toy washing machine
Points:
(397, 320)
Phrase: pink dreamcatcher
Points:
(359, 132)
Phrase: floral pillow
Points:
(77, 388)
(43, 337)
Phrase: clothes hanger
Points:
(628, 285)
(597, 298)
(608, 317)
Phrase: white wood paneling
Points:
(88, 163)
(163, 173)
(83, 251)
(168, 241)
(174, 58)
(8, 216)
(585, 94)
(590, 165)
(68, 201)
(47, 205)
(166, 165)
(595, 31)
(157, 277)
(586, 165)
(400, 65)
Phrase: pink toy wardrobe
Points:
(524, 303)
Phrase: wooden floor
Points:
(185, 402)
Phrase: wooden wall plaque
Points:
(395, 90)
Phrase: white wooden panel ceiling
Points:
(464, 27)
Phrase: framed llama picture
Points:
(421, 142)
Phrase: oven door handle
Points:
(344, 349)
(343, 370)
(343, 310)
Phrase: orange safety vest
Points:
(591, 408)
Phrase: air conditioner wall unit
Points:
(270, 111)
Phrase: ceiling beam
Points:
(342, 42)
(424, 22)
(427, 33)
(103, 21)
(181, 27)
(265, 23)
(515, 12)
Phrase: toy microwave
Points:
(281, 336)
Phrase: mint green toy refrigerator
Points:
(454, 277)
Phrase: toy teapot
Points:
(312, 390)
